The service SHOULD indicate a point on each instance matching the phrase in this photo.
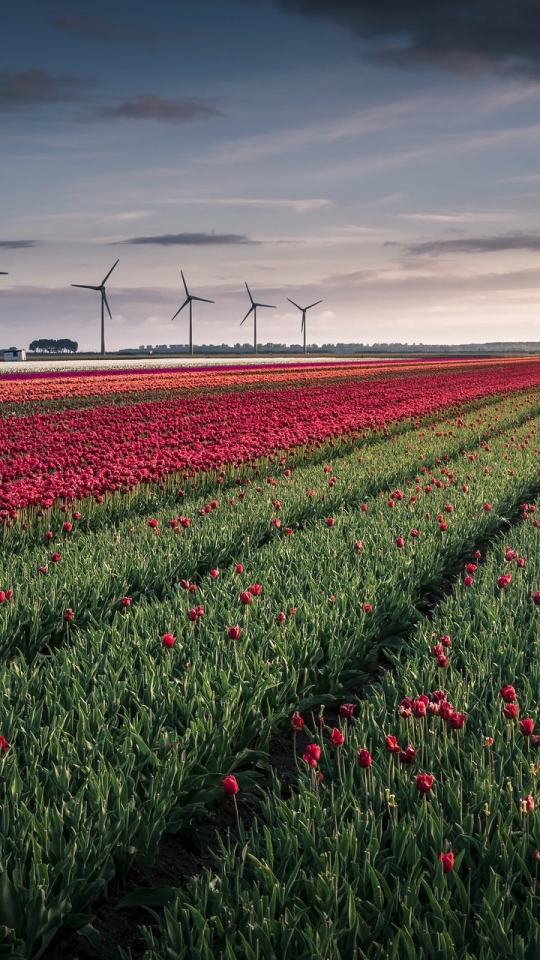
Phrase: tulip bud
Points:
(447, 860)
(364, 758)
(168, 640)
(234, 632)
(230, 786)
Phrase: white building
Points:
(14, 354)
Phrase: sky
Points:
(380, 156)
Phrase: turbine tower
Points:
(189, 299)
(253, 308)
(304, 311)
(104, 303)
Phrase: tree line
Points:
(54, 346)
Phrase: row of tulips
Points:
(407, 835)
(74, 454)
(51, 570)
(118, 737)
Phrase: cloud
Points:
(17, 244)
(104, 30)
(146, 106)
(193, 239)
(300, 206)
(470, 36)
(509, 241)
(30, 88)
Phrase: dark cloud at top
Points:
(17, 244)
(104, 30)
(146, 106)
(467, 35)
(192, 239)
(30, 88)
(509, 241)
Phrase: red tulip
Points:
(408, 754)
(391, 744)
(346, 710)
(49, 535)
(313, 750)
(56, 557)
(536, 598)
(311, 762)
(535, 741)
(400, 542)
(364, 758)
(445, 710)
(367, 608)
(456, 720)
(336, 738)
(527, 804)
(255, 589)
(443, 527)
(520, 562)
(442, 661)
(214, 574)
(246, 597)
(330, 522)
(69, 615)
(508, 694)
(67, 527)
(193, 615)
(468, 582)
(487, 507)
(471, 568)
(358, 546)
(527, 727)
(424, 782)
(364, 508)
(504, 581)
(239, 568)
(446, 641)
(297, 723)
(418, 709)
(230, 786)
(511, 711)
(168, 640)
(153, 524)
(447, 860)
(234, 632)
(281, 617)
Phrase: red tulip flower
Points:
(281, 617)
(535, 741)
(447, 860)
(520, 562)
(408, 754)
(255, 589)
(49, 535)
(457, 719)
(487, 506)
(230, 786)
(536, 598)
(313, 750)
(153, 524)
(511, 711)
(67, 527)
(214, 574)
(445, 710)
(193, 615)
(330, 522)
(358, 546)
(508, 694)
(527, 804)
(239, 568)
(468, 582)
(391, 744)
(418, 709)
(336, 738)
(442, 661)
(364, 758)
(471, 568)
(297, 723)
(400, 542)
(234, 632)
(55, 557)
(168, 640)
(424, 782)
(246, 597)
(504, 581)
(367, 608)
(527, 727)
(446, 641)
(364, 508)
(346, 710)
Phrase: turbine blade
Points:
(294, 304)
(269, 305)
(104, 295)
(110, 271)
(4, 273)
(313, 304)
(85, 286)
(203, 300)
(249, 292)
(302, 325)
(247, 314)
(185, 284)
(185, 303)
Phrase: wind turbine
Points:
(253, 308)
(304, 311)
(104, 303)
(189, 299)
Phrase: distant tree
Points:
(53, 346)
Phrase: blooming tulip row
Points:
(73, 454)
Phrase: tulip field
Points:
(197, 564)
